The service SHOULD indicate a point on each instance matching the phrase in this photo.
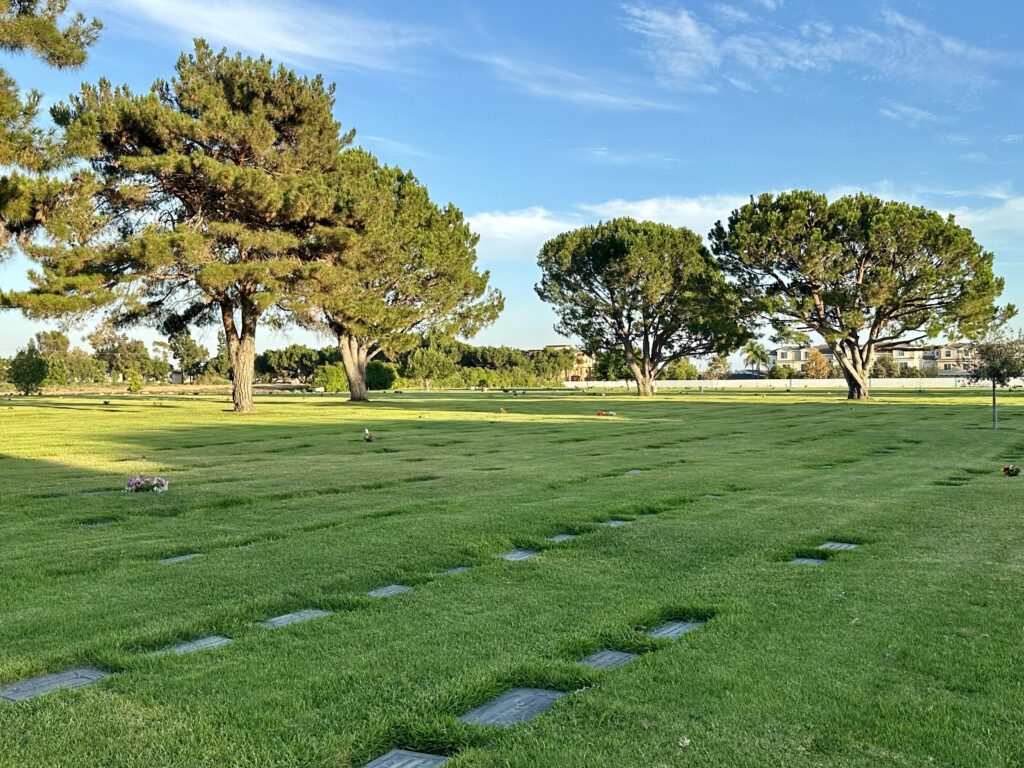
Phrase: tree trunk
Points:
(242, 355)
(353, 356)
(644, 381)
(995, 416)
(856, 365)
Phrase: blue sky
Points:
(537, 117)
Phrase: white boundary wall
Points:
(942, 382)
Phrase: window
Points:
(947, 366)
(904, 365)
(783, 355)
(949, 353)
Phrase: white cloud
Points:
(697, 213)
(904, 113)
(518, 235)
(296, 32)
(553, 82)
(690, 54)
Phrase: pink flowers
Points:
(1011, 471)
(144, 483)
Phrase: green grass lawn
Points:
(908, 651)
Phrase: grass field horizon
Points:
(906, 651)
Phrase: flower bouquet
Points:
(145, 483)
(1011, 471)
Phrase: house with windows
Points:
(796, 357)
(948, 359)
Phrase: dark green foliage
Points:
(650, 290)
(610, 365)
(30, 153)
(296, 361)
(27, 370)
(865, 274)
(380, 375)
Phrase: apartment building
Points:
(796, 357)
(948, 359)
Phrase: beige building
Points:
(582, 370)
(949, 359)
(796, 357)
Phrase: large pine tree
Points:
(394, 266)
(203, 192)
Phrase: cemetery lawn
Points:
(907, 651)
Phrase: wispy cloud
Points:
(904, 113)
(387, 146)
(552, 82)
(297, 32)
(606, 156)
(692, 54)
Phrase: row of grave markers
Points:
(509, 708)
(81, 676)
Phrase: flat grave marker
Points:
(634, 472)
(838, 546)
(616, 523)
(403, 758)
(512, 707)
(558, 538)
(807, 561)
(37, 686)
(180, 558)
(199, 644)
(673, 630)
(389, 590)
(518, 554)
(608, 659)
(294, 618)
(456, 570)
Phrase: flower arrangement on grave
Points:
(606, 413)
(367, 436)
(144, 483)
(1011, 471)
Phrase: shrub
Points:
(28, 370)
(331, 377)
(380, 375)
(135, 382)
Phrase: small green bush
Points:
(380, 375)
(135, 382)
(331, 377)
